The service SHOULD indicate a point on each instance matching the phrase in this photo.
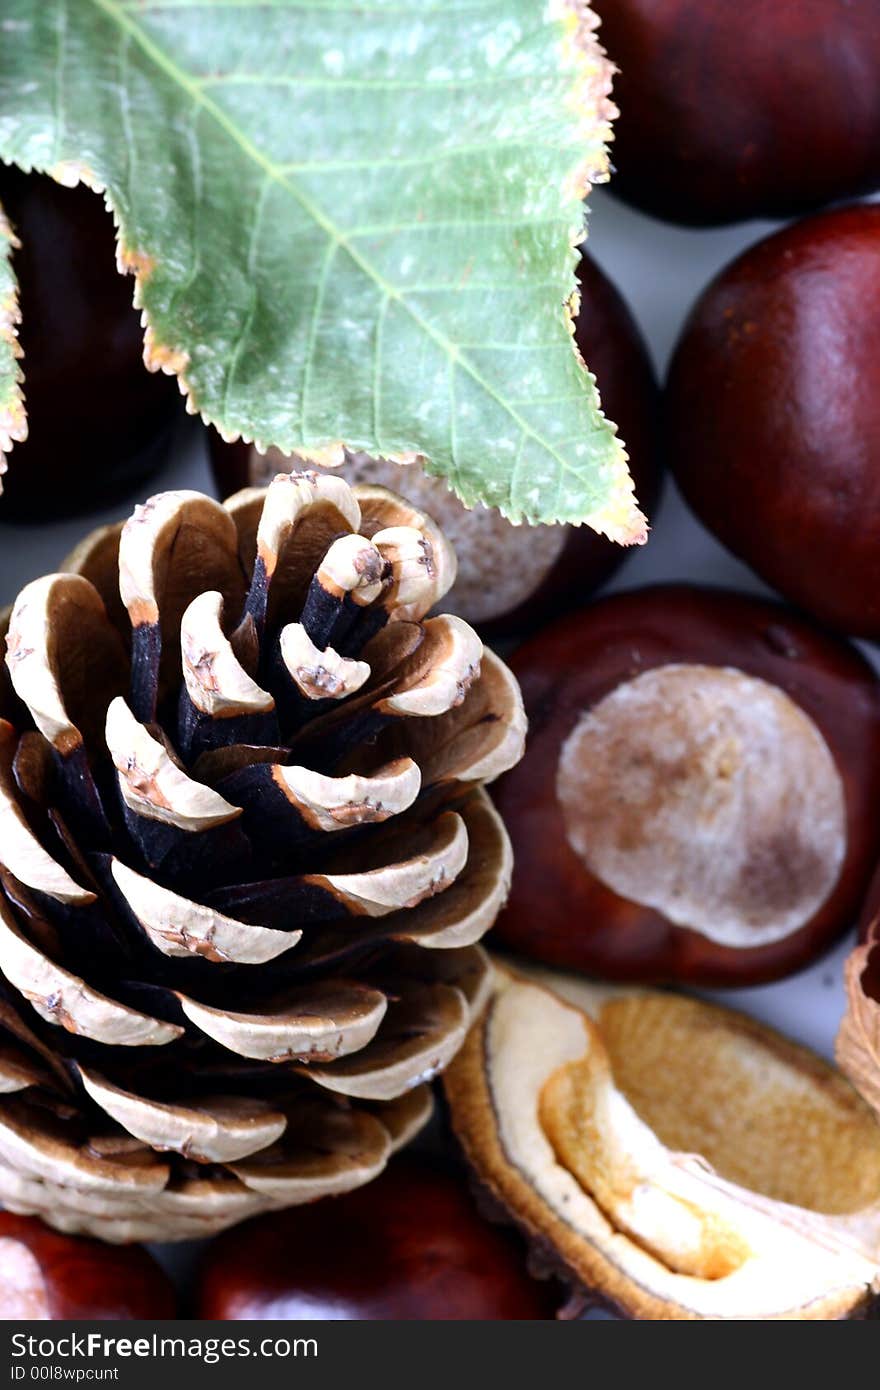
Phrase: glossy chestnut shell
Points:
(46, 1275)
(561, 913)
(98, 421)
(773, 413)
(870, 907)
(727, 111)
(409, 1246)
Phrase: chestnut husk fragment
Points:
(679, 1187)
(857, 1046)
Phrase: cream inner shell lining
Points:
(709, 796)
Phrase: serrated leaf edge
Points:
(13, 420)
(581, 53)
(619, 518)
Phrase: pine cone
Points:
(239, 909)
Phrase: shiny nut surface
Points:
(411, 1246)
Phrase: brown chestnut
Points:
(98, 421)
(410, 1245)
(735, 110)
(869, 917)
(509, 578)
(773, 413)
(46, 1275)
(698, 798)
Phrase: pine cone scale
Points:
(245, 869)
(177, 926)
(309, 1023)
(216, 1131)
(23, 854)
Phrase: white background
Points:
(660, 269)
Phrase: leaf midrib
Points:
(120, 16)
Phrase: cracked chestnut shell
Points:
(98, 421)
(675, 1160)
(509, 578)
(413, 1247)
(728, 111)
(47, 1275)
(773, 413)
(698, 797)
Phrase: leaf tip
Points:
(621, 520)
(618, 516)
(13, 421)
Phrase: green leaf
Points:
(349, 222)
(13, 425)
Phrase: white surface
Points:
(660, 269)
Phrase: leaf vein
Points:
(146, 6)
(125, 112)
(377, 372)
(198, 185)
(453, 427)
(428, 156)
(179, 77)
(320, 289)
(429, 224)
(245, 329)
(515, 471)
(393, 84)
(60, 62)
